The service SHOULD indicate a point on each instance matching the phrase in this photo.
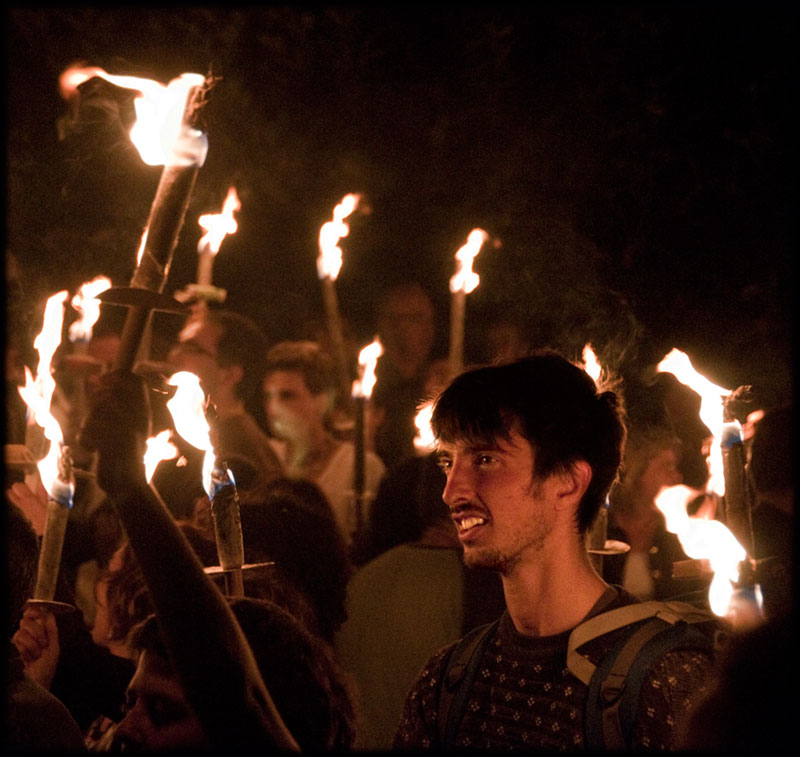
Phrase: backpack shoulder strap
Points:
(614, 686)
(606, 622)
(456, 680)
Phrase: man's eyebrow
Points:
(472, 447)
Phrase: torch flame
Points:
(711, 410)
(87, 304)
(591, 364)
(159, 133)
(218, 225)
(159, 448)
(367, 361)
(329, 261)
(37, 393)
(703, 538)
(424, 441)
(465, 279)
(187, 408)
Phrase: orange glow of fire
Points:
(703, 538)
(87, 304)
(37, 393)
(218, 225)
(329, 261)
(187, 408)
(465, 279)
(159, 447)
(142, 245)
(367, 361)
(711, 410)
(424, 441)
(590, 363)
(159, 133)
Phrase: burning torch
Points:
(361, 392)
(55, 468)
(165, 133)
(191, 414)
(329, 263)
(597, 543)
(217, 226)
(78, 362)
(463, 281)
(704, 538)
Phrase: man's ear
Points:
(233, 374)
(324, 402)
(572, 484)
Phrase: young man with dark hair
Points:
(530, 450)
(225, 350)
(299, 389)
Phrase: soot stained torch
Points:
(164, 225)
(59, 504)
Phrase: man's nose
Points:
(128, 735)
(459, 488)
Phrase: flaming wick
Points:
(361, 393)
(464, 281)
(217, 226)
(88, 306)
(329, 263)
(704, 538)
(424, 441)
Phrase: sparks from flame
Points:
(187, 408)
(159, 133)
(218, 225)
(329, 261)
(703, 538)
(711, 410)
(591, 364)
(367, 361)
(465, 279)
(37, 393)
(159, 447)
(87, 304)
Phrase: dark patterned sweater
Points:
(524, 697)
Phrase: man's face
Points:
(407, 325)
(291, 409)
(661, 470)
(502, 515)
(196, 352)
(157, 714)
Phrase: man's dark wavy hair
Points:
(243, 343)
(554, 405)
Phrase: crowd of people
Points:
(353, 601)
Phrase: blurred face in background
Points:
(407, 325)
(293, 411)
(660, 471)
(196, 352)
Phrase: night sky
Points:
(632, 160)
